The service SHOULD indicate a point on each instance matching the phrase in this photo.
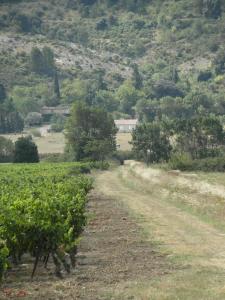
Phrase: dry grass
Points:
(50, 143)
(186, 222)
(55, 142)
(123, 140)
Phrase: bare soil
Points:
(113, 253)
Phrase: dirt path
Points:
(195, 244)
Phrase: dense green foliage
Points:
(25, 151)
(42, 62)
(159, 61)
(190, 139)
(6, 150)
(151, 143)
(147, 77)
(42, 212)
(10, 119)
(200, 136)
(184, 162)
(58, 123)
(90, 133)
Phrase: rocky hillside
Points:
(174, 47)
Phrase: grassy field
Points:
(50, 143)
(123, 140)
(184, 215)
(55, 142)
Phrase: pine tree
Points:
(56, 86)
(2, 93)
(49, 61)
(37, 61)
(137, 78)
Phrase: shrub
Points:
(180, 161)
(52, 157)
(102, 24)
(184, 162)
(215, 164)
(58, 123)
(26, 151)
(204, 76)
(80, 169)
(33, 119)
(99, 165)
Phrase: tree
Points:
(163, 88)
(79, 90)
(137, 78)
(2, 93)
(211, 8)
(33, 119)
(150, 143)
(147, 110)
(6, 150)
(58, 123)
(106, 100)
(37, 60)
(56, 86)
(42, 62)
(48, 60)
(102, 24)
(199, 136)
(90, 132)
(128, 96)
(219, 62)
(10, 119)
(24, 22)
(26, 151)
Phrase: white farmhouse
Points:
(126, 125)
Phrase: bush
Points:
(33, 119)
(26, 151)
(99, 165)
(58, 123)
(215, 164)
(184, 162)
(85, 168)
(180, 161)
(80, 169)
(53, 157)
(102, 24)
(204, 76)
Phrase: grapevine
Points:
(42, 213)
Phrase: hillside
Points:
(132, 57)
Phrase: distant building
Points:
(124, 125)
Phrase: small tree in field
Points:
(6, 150)
(90, 133)
(26, 151)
